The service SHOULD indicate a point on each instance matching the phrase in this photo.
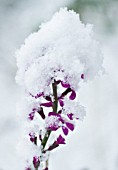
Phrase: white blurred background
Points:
(94, 144)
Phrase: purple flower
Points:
(70, 126)
(82, 76)
(36, 161)
(65, 85)
(65, 130)
(73, 95)
(53, 127)
(48, 98)
(41, 112)
(39, 95)
(52, 114)
(32, 136)
(57, 115)
(60, 140)
(59, 112)
(31, 116)
(56, 125)
(34, 109)
(52, 121)
(48, 104)
(61, 102)
(70, 116)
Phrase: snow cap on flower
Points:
(52, 122)
(63, 47)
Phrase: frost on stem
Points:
(52, 65)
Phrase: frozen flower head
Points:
(51, 64)
(63, 47)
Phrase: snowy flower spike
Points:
(52, 65)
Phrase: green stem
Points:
(55, 103)
(55, 106)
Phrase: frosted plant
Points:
(52, 65)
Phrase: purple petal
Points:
(32, 136)
(60, 140)
(73, 95)
(48, 104)
(65, 130)
(61, 102)
(52, 114)
(41, 112)
(48, 98)
(36, 161)
(31, 116)
(82, 76)
(70, 126)
(39, 95)
(53, 128)
(60, 111)
(61, 119)
(65, 85)
(34, 109)
(70, 116)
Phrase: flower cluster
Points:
(56, 120)
(51, 66)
